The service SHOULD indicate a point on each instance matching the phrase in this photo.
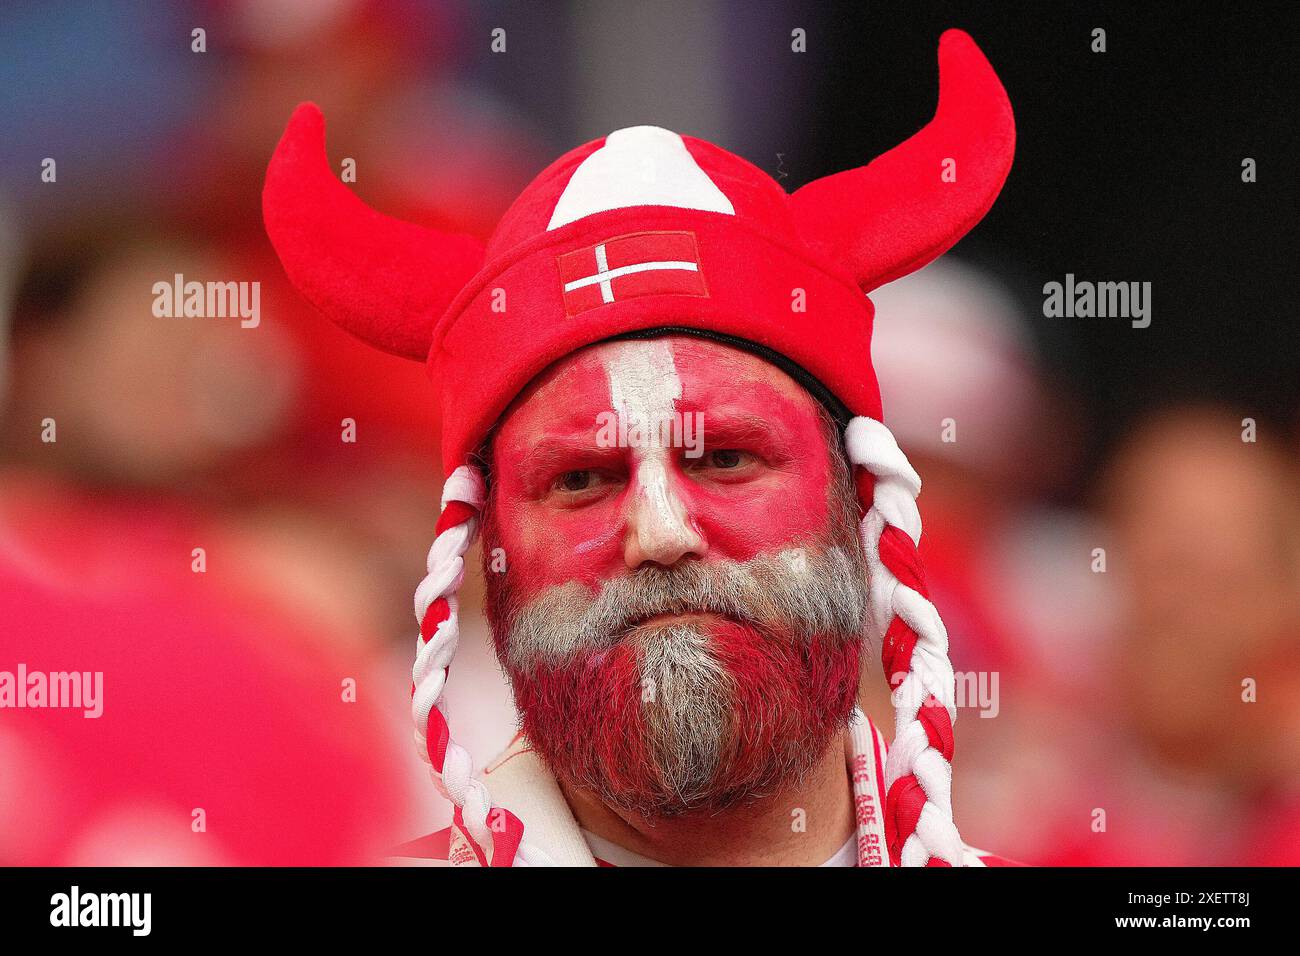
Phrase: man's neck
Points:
(801, 826)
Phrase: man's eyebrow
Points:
(742, 426)
(550, 453)
(739, 425)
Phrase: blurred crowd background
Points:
(271, 690)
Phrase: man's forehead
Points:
(694, 372)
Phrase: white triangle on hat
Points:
(638, 166)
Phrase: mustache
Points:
(799, 594)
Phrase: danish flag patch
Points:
(640, 263)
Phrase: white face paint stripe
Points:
(643, 385)
(643, 379)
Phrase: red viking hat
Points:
(647, 231)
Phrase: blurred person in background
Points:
(185, 761)
(1204, 671)
(176, 414)
(1186, 750)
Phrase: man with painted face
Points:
(659, 409)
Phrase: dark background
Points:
(1128, 167)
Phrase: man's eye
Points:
(726, 458)
(575, 481)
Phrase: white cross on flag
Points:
(641, 263)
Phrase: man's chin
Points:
(690, 713)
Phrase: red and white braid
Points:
(919, 828)
(495, 834)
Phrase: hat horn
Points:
(385, 281)
(911, 204)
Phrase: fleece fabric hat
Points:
(648, 231)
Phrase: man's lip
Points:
(672, 616)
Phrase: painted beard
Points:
(693, 688)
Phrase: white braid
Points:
(870, 444)
(446, 571)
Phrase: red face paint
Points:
(760, 485)
(567, 505)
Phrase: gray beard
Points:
(688, 710)
(690, 722)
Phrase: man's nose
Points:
(659, 527)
